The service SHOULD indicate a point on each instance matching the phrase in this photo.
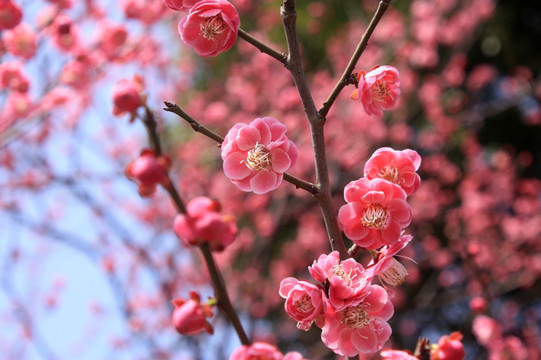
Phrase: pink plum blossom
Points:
(190, 316)
(127, 96)
(13, 77)
(203, 223)
(378, 89)
(21, 41)
(397, 355)
(210, 27)
(65, 33)
(375, 213)
(305, 302)
(449, 347)
(257, 350)
(398, 167)
(384, 265)
(361, 328)
(257, 155)
(10, 14)
(148, 171)
(180, 5)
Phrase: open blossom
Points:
(384, 265)
(13, 76)
(148, 170)
(21, 41)
(347, 279)
(257, 155)
(190, 316)
(377, 89)
(10, 14)
(449, 347)
(361, 328)
(398, 167)
(210, 27)
(375, 213)
(180, 5)
(203, 223)
(305, 302)
(257, 350)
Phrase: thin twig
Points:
(345, 79)
(264, 48)
(294, 65)
(196, 126)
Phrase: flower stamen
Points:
(375, 217)
(259, 158)
(212, 27)
(355, 317)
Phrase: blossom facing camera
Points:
(10, 15)
(257, 155)
(449, 347)
(210, 27)
(148, 170)
(190, 316)
(203, 223)
(304, 302)
(377, 89)
(375, 213)
(398, 167)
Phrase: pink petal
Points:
(264, 181)
(234, 166)
(286, 285)
(247, 137)
(280, 161)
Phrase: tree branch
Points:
(264, 48)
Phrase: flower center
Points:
(212, 27)
(390, 173)
(337, 270)
(355, 317)
(259, 158)
(304, 304)
(380, 91)
(375, 217)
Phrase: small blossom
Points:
(65, 33)
(13, 77)
(203, 223)
(190, 316)
(257, 155)
(449, 347)
(384, 265)
(304, 302)
(10, 15)
(180, 5)
(21, 41)
(257, 350)
(398, 167)
(148, 171)
(361, 328)
(378, 89)
(375, 213)
(127, 96)
(210, 27)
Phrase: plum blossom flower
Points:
(13, 76)
(305, 302)
(148, 170)
(384, 265)
(449, 347)
(10, 15)
(398, 167)
(257, 155)
(180, 5)
(347, 279)
(127, 96)
(190, 316)
(21, 41)
(397, 355)
(361, 328)
(203, 223)
(375, 213)
(378, 89)
(257, 350)
(210, 27)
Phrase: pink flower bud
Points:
(127, 96)
(190, 317)
(378, 89)
(148, 171)
(449, 348)
(10, 14)
(210, 27)
(304, 302)
(257, 155)
(204, 224)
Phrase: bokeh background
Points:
(88, 268)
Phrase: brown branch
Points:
(294, 65)
(264, 48)
(196, 126)
(345, 79)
